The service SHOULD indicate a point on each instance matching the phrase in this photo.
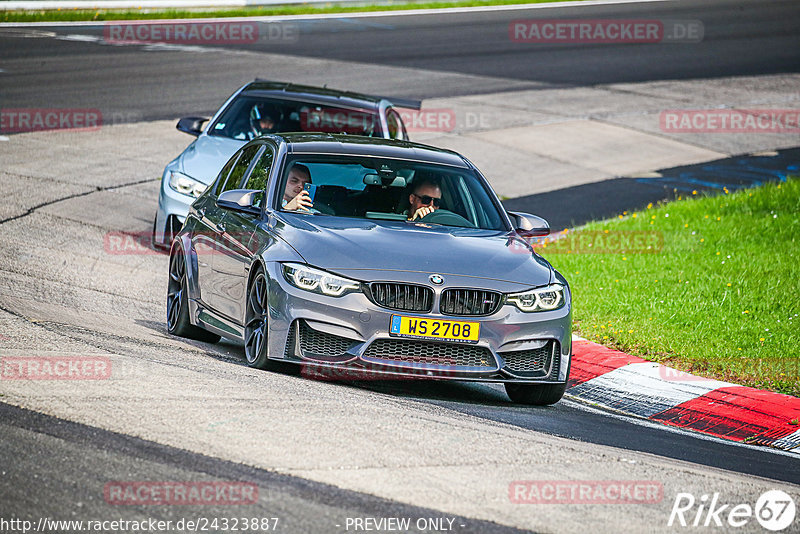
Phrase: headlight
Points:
(542, 299)
(316, 281)
(185, 185)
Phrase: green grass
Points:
(293, 9)
(721, 299)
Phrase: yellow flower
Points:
(650, 205)
(729, 284)
(761, 339)
(702, 240)
(706, 217)
(746, 311)
(630, 331)
(694, 192)
(605, 231)
(717, 253)
(605, 337)
(652, 216)
(624, 258)
(634, 215)
(686, 226)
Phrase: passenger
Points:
(425, 198)
(294, 196)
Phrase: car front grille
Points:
(444, 354)
(534, 362)
(470, 302)
(314, 342)
(403, 297)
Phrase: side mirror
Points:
(244, 200)
(528, 225)
(191, 125)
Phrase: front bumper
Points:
(348, 338)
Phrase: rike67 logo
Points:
(774, 510)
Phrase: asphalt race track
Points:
(319, 452)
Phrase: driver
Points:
(264, 119)
(425, 198)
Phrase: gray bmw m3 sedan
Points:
(386, 258)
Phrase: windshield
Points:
(389, 189)
(249, 116)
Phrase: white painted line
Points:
(322, 16)
(644, 389)
(4, 138)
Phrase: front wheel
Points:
(535, 394)
(178, 323)
(256, 327)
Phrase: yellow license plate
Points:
(439, 329)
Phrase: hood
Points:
(345, 245)
(203, 159)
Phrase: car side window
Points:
(237, 174)
(223, 174)
(260, 174)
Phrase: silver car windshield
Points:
(247, 117)
(388, 189)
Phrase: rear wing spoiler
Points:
(405, 103)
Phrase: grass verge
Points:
(720, 299)
(293, 9)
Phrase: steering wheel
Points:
(447, 218)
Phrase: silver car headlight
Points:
(185, 185)
(317, 281)
(541, 299)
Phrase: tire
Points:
(178, 323)
(256, 327)
(535, 394)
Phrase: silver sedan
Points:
(357, 257)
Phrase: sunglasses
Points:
(426, 199)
